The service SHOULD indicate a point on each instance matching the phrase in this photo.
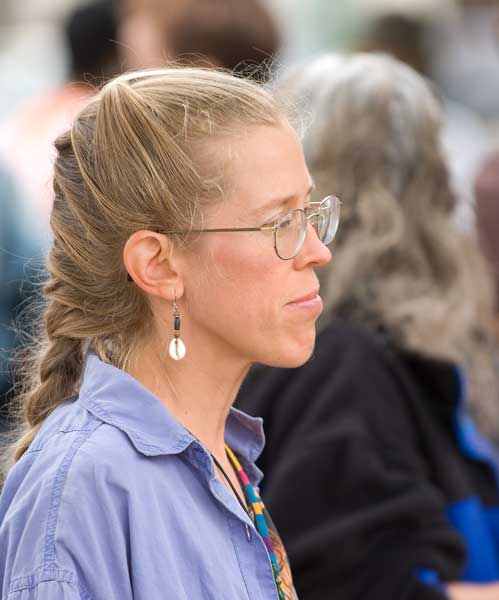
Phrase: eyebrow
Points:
(277, 202)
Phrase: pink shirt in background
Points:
(26, 146)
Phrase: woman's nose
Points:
(313, 253)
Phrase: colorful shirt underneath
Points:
(268, 531)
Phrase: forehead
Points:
(264, 163)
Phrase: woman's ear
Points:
(151, 263)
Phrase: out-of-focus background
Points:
(51, 49)
(44, 43)
(459, 40)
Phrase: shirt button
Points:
(248, 531)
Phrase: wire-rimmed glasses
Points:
(290, 230)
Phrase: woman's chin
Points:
(293, 356)
(298, 361)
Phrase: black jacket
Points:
(372, 475)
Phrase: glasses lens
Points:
(328, 219)
(290, 234)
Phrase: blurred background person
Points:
(239, 35)
(411, 32)
(27, 135)
(31, 52)
(26, 194)
(466, 56)
(20, 254)
(487, 213)
(378, 479)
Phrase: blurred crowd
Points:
(409, 143)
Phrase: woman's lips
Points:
(311, 301)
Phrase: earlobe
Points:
(152, 265)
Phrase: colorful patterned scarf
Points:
(267, 529)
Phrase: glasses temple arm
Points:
(264, 228)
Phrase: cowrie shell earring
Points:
(176, 350)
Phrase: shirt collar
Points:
(120, 400)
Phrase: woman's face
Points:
(240, 299)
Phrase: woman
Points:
(184, 250)
(378, 480)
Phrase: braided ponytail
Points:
(59, 370)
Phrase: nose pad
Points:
(314, 222)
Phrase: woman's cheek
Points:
(246, 264)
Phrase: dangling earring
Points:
(177, 347)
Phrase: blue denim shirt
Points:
(115, 500)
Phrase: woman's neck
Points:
(198, 393)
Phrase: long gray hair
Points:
(373, 139)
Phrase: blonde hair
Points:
(398, 259)
(135, 158)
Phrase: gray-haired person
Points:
(379, 480)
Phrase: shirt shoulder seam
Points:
(56, 495)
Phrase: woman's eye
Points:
(275, 219)
(286, 221)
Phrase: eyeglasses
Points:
(290, 230)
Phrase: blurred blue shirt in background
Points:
(20, 267)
